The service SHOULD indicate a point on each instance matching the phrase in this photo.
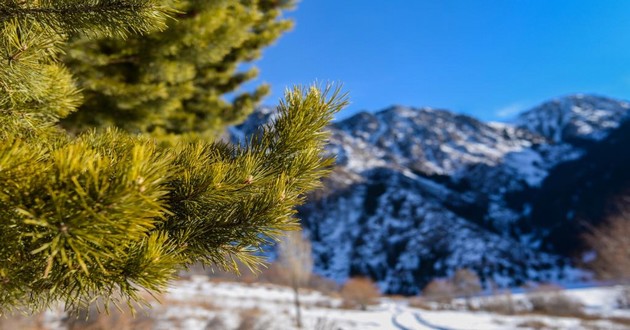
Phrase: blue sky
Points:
(486, 58)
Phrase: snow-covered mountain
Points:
(576, 117)
(420, 192)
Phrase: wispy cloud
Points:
(510, 110)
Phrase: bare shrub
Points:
(550, 299)
(325, 324)
(360, 291)
(323, 285)
(532, 324)
(499, 303)
(420, 302)
(324, 304)
(295, 262)
(467, 284)
(19, 321)
(439, 290)
(250, 319)
(216, 323)
(119, 320)
(610, 242)
(623, 298)
(110, 313)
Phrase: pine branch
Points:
(107, 212)
(172, 84)
(111, 18)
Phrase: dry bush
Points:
(250, 319)
(420, 302)
(602, 325)
(93, 320)
(623, 298)
(325, 304)
(623, 321)
(216, 323)
(295, 261)
(499, 303)
(550, 299)
(110, 313)
(610, 242)
(323, 285)
(325, 324)
(272, 273)
(532, 324)
(439, 290)
(359, 291)
(467, 284)
(22, 322)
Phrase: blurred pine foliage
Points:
(109, 179)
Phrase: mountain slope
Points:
(420, 192)
(575, 118)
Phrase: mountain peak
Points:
(576, 117)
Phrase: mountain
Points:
(420, 192)
(575, 118)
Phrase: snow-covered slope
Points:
(425, 140)
(575, 117)
(420, 192)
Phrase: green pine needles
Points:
(92, 210)
(170, 83)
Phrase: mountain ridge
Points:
(419, 192)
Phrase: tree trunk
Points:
(298, 314)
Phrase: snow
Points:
(389, 313)
(198, 302)
(527, 164)
(578, 116)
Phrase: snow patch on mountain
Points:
(579, 116)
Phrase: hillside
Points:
(420, 192)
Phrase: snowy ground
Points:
(200, 303)
(273, 305)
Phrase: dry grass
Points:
(35, 322)
(551, 300)
(498, 304)
(623, 298)
(359, 292)
(421, 303)
(532, 324)
(325, 324)
(440, 291)
(201, 303)
(120, 319)
(217, 323)
(251, 319)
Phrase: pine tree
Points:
(170, 83)
(107, 213)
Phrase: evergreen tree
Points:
(171, 82)
(106, 213)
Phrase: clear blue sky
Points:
(486, 58)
